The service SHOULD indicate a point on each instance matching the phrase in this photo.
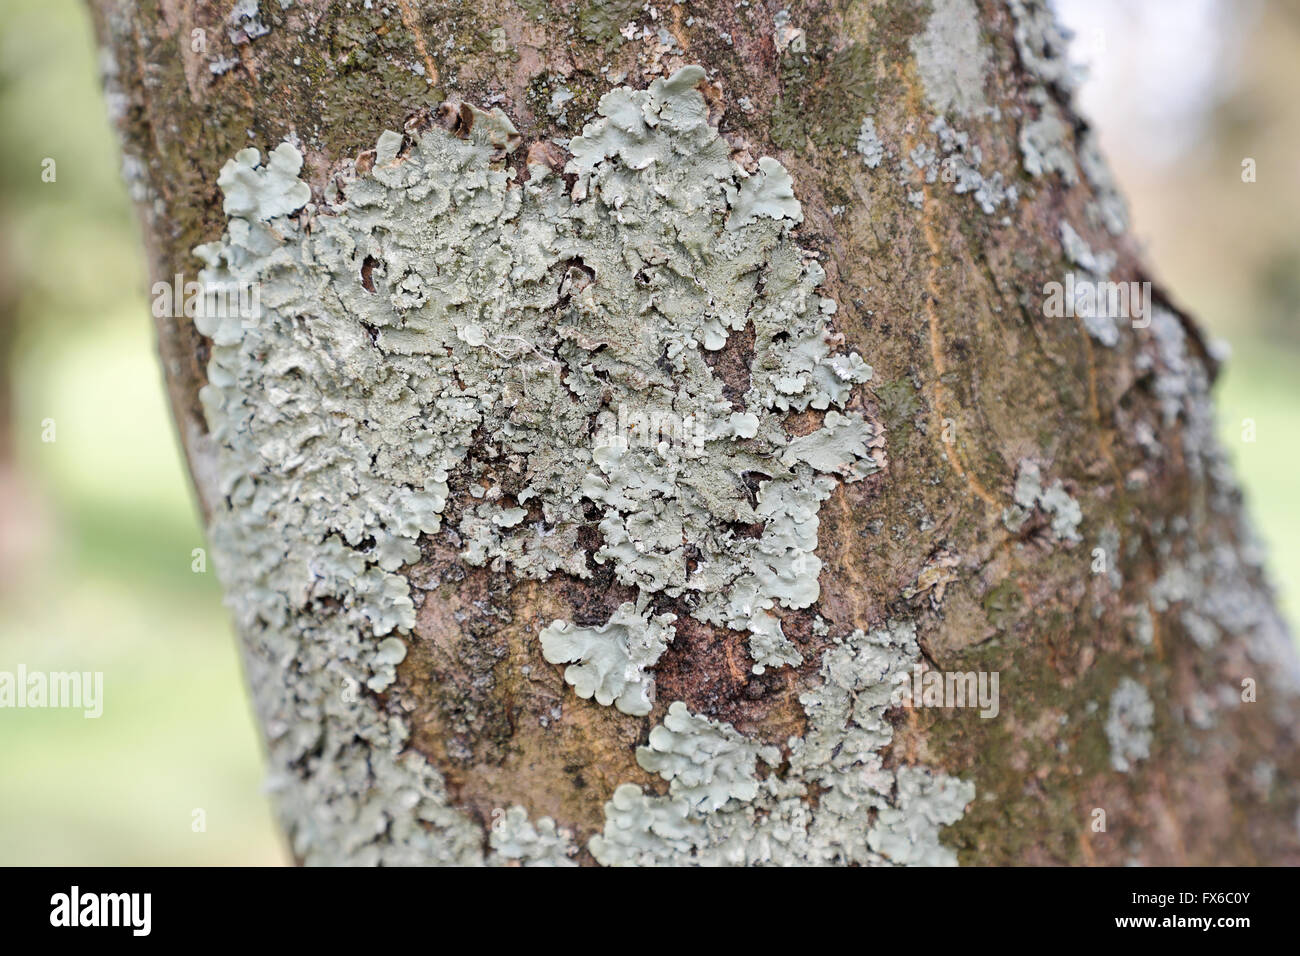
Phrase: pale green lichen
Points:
(951, 57)
(656, 172)
(1043, 46)
(1080, 253)
(768, 192)
(1096, 318)
(866, 814)
(611, 662)
(906, 833)
(643, 830)
(1181, 386)
(442, 326)
(869, 144)
(957, 160)
(322, 485)
(1142, 626)
(1109, 542)
(1044, 145)
(258, 192)
(706, 763)
(517, 841)
(245, 22)
(1054, 501)
(1042, 43)
(1109, 208)
(1210, 586)
(1128, 726)
(962, 166)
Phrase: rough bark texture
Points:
(996, 422)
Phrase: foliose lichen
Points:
(517, 841)
(256, 192)
(1108, 209)
(1054, 501)
(710, 818)
(1097, 318)
(611, 662)
(1044, 146)
(439, 340)
(962, 166)
(706, 763)
(869, 144)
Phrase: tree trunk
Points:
(641, 417)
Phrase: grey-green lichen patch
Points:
(516, 840)
(390, 652)
(645, 830)
(1064, 511)
(322, 488)
(1200, 629)
(705, 762)
(1045, 147)
(1109, 208)
(437, 325)
(869, 144)
(245, 22)
(961, 164)
(1210, 590)
(652, 175)
(1128, 726)
(865, 813)
(906, 833)
(951, 57)
(1109, 542)
(1054, 501)
(954, 158)
(612, 662)
(1080, 253)
(769, 192)
(1181, 387)
(1042, 43)
(255, 191)
(1097, 319)
(1141, 625)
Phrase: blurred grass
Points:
(105, 521)
(113, 591)
(1261, 383)
(103, 517)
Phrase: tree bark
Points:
(1013, 492)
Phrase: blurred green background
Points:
(98, 526)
